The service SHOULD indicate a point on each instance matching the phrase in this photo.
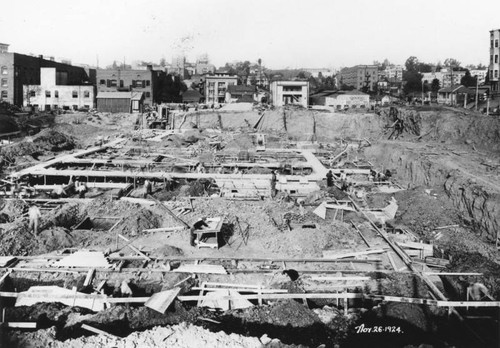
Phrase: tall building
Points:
(19, 70)
(494, 67)
(360, 76)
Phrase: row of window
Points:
(493, 74)
(496, 43)
(496, 58)
(48, 94)
(135, 83)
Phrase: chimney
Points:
(40, 56)
(150, 67)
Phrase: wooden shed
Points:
(126, 102)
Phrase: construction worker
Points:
(34, 216)
(58, 192)
(273, 184)
(329, 179)
(198, 225)
(81, 189)
(477, 292)
(343, 180)
(148, 187)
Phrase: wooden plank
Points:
(165, 229)
(169, 211)
(361, 235)
(468, 303)
(134, 248)
(8, 294)
(207, 269)
(338, 278)
(333, 254)
(19, 325)
(89, 277)
(97, 331)
(264, 291)
(161, 301)
(453, 273)
(391, 261)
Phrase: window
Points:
(148, 83)
(121, 83)
(112, 83)
(496, 58)
(56, 94)
(3, 70)
(496, 73)
(75, 94)
(148, 94)
(491, 44)
(47, 94)
(496, 43)
(4, 94)
(491, 58)
(4, 83)
(102, 82)
(86, 94)
(75, 107)
(32, 93)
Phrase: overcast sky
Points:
(283, 33)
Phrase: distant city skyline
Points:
(284, 34)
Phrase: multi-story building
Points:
(446, 77)
(4, 48)
(394, 73)
(481, 75)
(203, 65)
(19, 70)
(290, 92)
(216, 87)
(360, 76)
(111, 80)
(494, 67)
(48, 95)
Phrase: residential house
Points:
(289, 92)
(457, 95)
(216, 87)
(19, 70)
(124, 102)
(117, 80)
(48, 95)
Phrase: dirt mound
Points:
(167, 250)
(181, 336)
(52, 140)
(135, 218)
(54, 238)
(242, 141)
(12, 209)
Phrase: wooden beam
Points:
(97, 331)
(144, 256)
(19, 325)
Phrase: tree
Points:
(467, 80)
(452, 63)
(163, 62)
(413, 81)
(301, 75)
(411, 64)
(480, 66)
(435, 85)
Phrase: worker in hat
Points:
(198, 225)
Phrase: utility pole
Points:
(477, 90)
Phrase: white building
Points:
(394, 73)
(481, 75)
(216, 87)
(48, 95)
(348, 100)
(290, 92)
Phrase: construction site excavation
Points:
(257, 227)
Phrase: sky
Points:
(283, 33)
